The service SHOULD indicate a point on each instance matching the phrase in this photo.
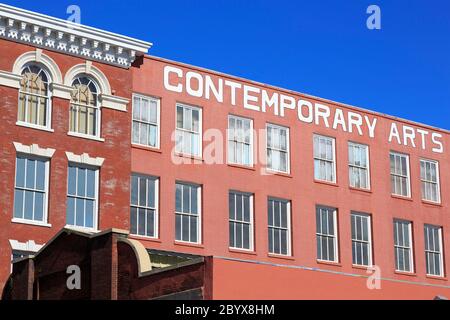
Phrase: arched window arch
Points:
(85, 107)
(34, 96)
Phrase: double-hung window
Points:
(84, 107)
(240, 141)
(278, 148)
(31, 189)
(429, 177)
(279, 222)
(361, 239)
(82, 196)
(324, 158)
(433, 250)
(400, 180)
(188, 130)
(187, 213)
(144, 206)
(241, 220)
(146, 121)
(358, 162)
(326, 234)
(403, 246)
(34, 97)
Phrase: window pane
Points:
(81, 187)
(89, 215)
(70, 219)
(90, 183)
(133, 220)
(194, 199)
(186, 199)
(31, 173)
(142, 191)
(39, 206)
(18, 203)
(134, 190)
(40, 175)
(178, 198)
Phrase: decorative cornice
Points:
(85, 159)
(59, 35)
(34, 150)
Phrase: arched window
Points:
(34, 96)
(84, 107)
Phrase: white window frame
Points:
(410, 248)
(408, 171)
(288, 229)
(49, 97)
(369, 236)
(158, 121)
(288, 148)
(437, 183)
(156, 208)
(336, 235)
(251, 163)
(333, 141)
(200, 128)
(44, 222)
(96, 202)
(252, 226)
(360, 145)
(98, 107)
(441, 252)
(199, 215)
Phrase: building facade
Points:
(291, 196)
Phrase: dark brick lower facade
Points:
(111, 267)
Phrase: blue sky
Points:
(319, 47)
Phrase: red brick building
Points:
(289, 196)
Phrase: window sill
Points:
(143, 238)
(81, 229)
(360, 190)
(242, 251)
(146, 148)
(270, 172)
(441, 278)
(189, 244)
(31, 223)
(329, 263)
(405, 273)
(34, 127)
(431, 203)
(360, 267)
(188, 156)
(85, 136)
(395, 196)
(279, 256)
(327, 183)
(241, 166)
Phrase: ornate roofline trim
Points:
(59, 35)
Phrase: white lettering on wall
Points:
(259, 99)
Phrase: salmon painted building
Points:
(244, 189)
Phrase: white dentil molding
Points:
(34, 150)
(63, 36)
(85, 159)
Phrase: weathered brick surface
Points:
(114, 175)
